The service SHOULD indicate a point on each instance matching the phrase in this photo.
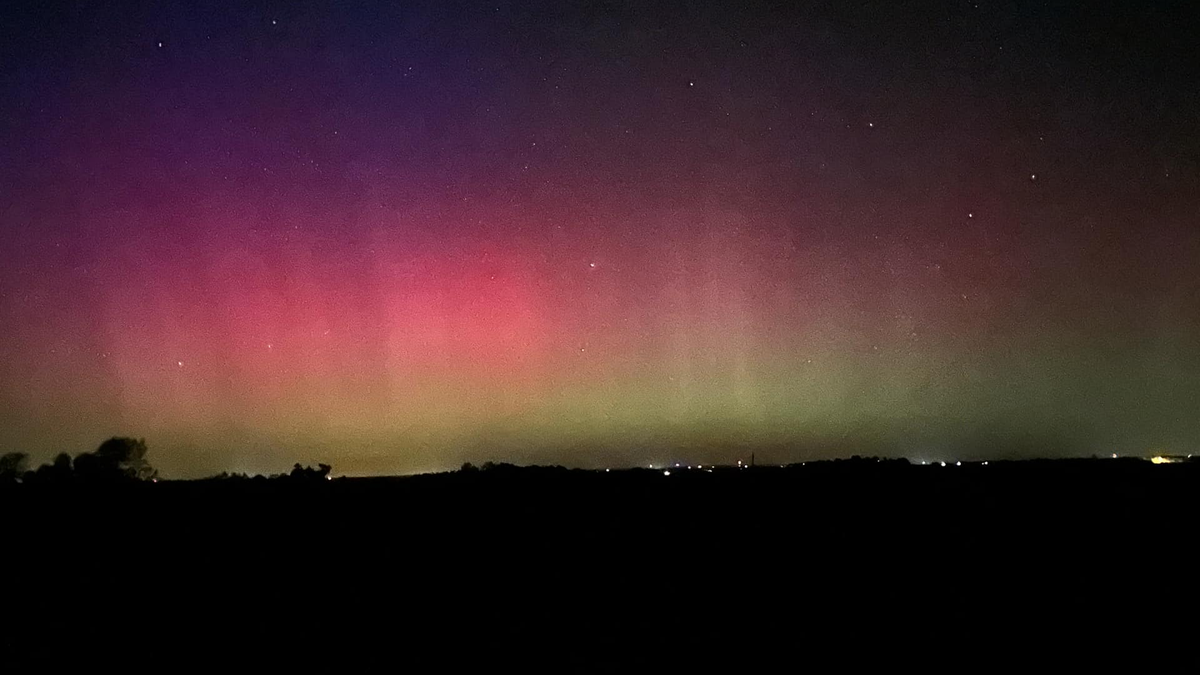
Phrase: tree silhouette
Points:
(59, 471)
(116, 458)
(308, 473)
(12, 465)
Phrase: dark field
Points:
(830, 566)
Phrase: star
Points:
(592, 265)
(160, 45)
(179, 363)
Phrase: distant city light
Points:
(958, 464)
(943, 464)
(1114, 455)
(1162, 460)
(667, 472)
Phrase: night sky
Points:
(400, 236)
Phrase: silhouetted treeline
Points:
(298, 473)
(121, 459)
(646, 570)
(124, 459)
(506, 467)
(117, 459)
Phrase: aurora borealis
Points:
(397, 237)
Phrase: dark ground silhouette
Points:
(1061, 565)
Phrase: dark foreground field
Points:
(831, 566)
